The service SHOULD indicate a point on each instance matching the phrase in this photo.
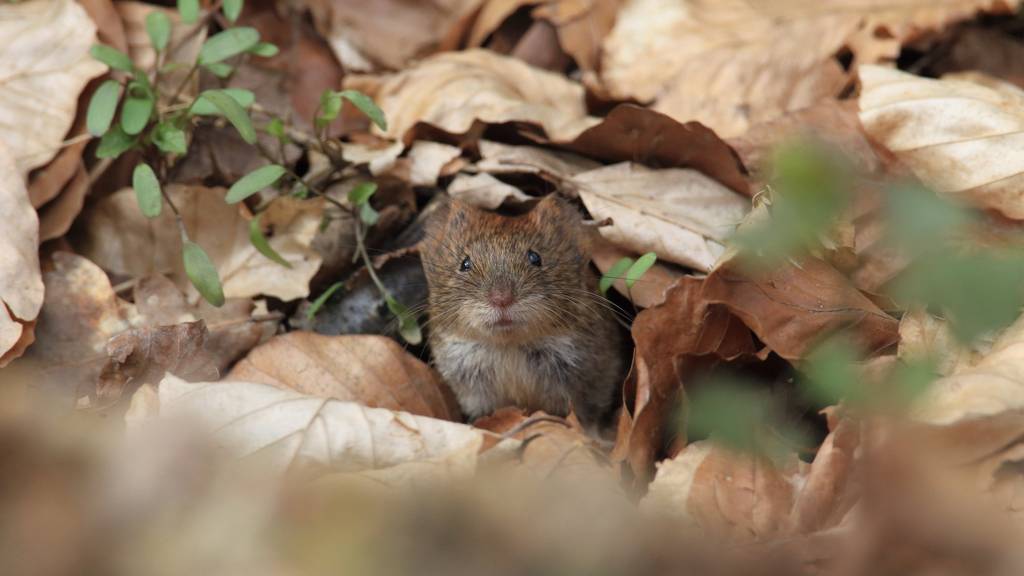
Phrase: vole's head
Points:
(506, 278)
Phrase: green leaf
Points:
(220, 70)
(265, 49)
(147, 190)
(234, 112)
(259, 241)
(204, 107)
(202, 273)
(322, 299)
(136, 109)
(641, 266)
(330, 107)
(367, 106)
(169, 138)
(253, 182)
(158, 26)
(368, 215)
(361, 193)
(276, 129)
(613, 274)
(102, 107)
(230, 42)
(408, 327)
(114, 143)
(189, 10)
(232, 9)
(111, 57)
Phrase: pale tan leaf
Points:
(428, 159)
(733, 63)
(21, 284)
(44, 46)
(680, 214)
(120, 239)
(454, 89)
(484, 191)
(368, 369)
(960, 138)
(553, 165)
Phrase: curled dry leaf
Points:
(371, 370)
(553, 165)
(747, 497)
(45, 48)
(291, 429)
(680, 214)
(485, 191)
(960, 138)
(21, 285)
(734, 63)
(453, 90)
(386, 34)
(120, 239)
(428, 161)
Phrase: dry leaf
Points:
(453, 90)
(960, 138)
(288, 428)
(21, 285)
(144, 354)
(485, 191)
(370, 370)
(925, 337)
(552, 165)
(680, 214)
(428, 160)
(120, 239)
(734, 63)
(56, 217)
(45, 47)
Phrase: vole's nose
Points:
(501, 297)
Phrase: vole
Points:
(515, 317)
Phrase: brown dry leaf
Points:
(552, 165)
(680, 214)
(923, 336)
(386, 34)
(45, 47)
(674, 340)
(21, 285)
(144, 354)
(120, 239)
(485, 191)
(647, 291)
(960, 138)
(371, 370)
(56, 217)
(745, 497)
(453, 90)
(428, 160)
(792, 306)
(290, 429)
(734, 63)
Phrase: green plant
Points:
(136, 110)
(628, 270)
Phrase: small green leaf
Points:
(114, 143)
(189, 10)
(147, 190)
(136, 109)
(204, 107)
(642, 265)
(253, 182)
(169, 138)
(265, 49)
(111, 57)
(613, 274)
(158, 26)
(234, 112)
(172, 66)
(276, 129)
(259, 241)
(321, 300)
(367, 106)
(202, 273)
(408, 327)
(361, 193)
(102, 107)
(368, 215)
(232, 9)
(230, 42)
(220, 69)
(330, 107)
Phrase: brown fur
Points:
(562, 349)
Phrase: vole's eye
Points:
(465, 265)
(533, 257)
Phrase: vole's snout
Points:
(501, 297)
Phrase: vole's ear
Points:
(554, 207)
